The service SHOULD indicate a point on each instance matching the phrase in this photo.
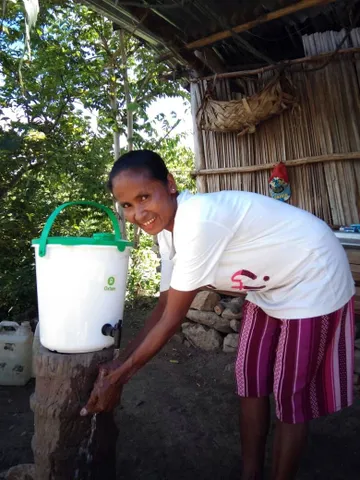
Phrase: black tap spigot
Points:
(117, 334)
(113, 331)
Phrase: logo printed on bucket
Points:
(110, 283)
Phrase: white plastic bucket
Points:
(81, 285)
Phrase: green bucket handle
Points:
(45, 233)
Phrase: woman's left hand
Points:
(106, 393)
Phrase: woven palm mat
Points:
(243, 115)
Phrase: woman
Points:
(297, 332)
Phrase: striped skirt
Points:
(308, 363)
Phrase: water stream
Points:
(84, 470)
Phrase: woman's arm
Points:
(177, 305)
(150, 322)
(107, 388)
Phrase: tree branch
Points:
(16, 179)
(167, 133)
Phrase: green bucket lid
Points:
(101, 238)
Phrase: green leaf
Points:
(9, 143)
(133, 106)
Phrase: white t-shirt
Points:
(287, 260)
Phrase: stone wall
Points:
(213, 322)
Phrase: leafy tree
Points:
(50, 153)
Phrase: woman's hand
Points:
(106, 393)
(108, 386)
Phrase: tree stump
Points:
(65, 445)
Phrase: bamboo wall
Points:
(327, 122)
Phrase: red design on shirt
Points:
(239, 284)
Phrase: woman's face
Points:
(146, 202)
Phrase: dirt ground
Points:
(179, 421)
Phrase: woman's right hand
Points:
(105, 394)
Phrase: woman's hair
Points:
(140, 160)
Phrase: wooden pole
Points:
(289, 163)
(65, 445)
(113, 60)
(129, 113)
(268, 17)
(285, 63)
(199, 150)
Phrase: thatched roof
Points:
(214, 35)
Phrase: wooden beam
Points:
(286, 63)
(268, 17)
(211, 60)
(289, 163)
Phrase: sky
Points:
(182, 109)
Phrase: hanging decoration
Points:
(279, 185)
